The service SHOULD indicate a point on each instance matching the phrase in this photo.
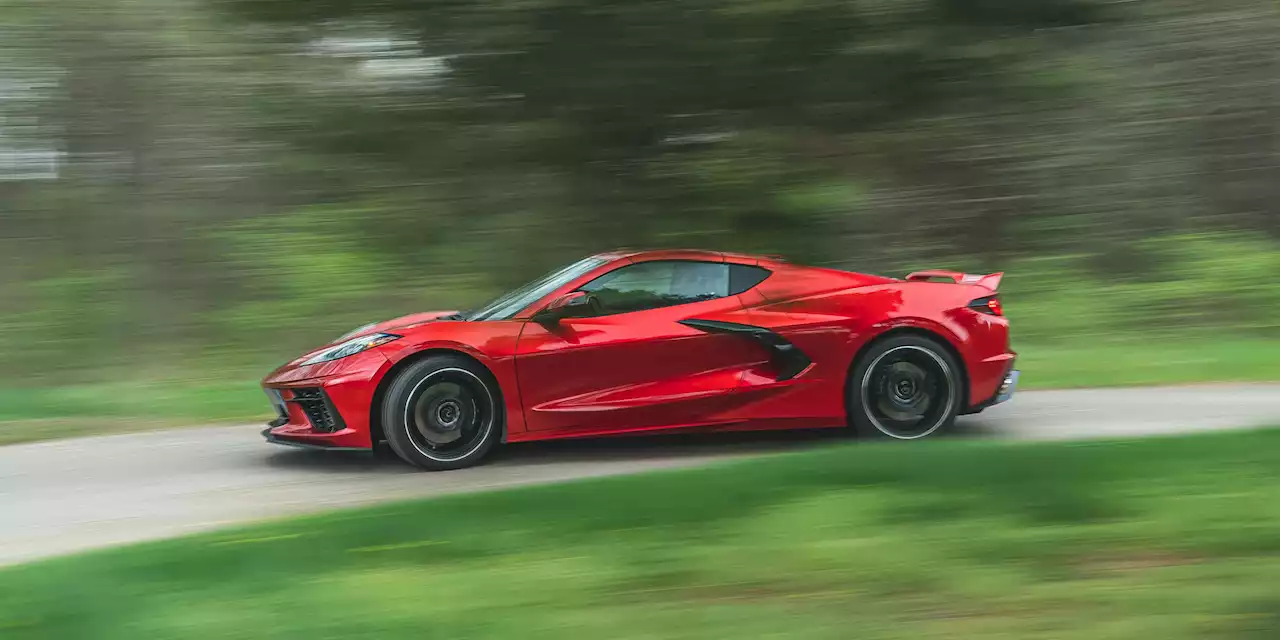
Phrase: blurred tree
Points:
(206, 177)
(141, 107)
(711, 122)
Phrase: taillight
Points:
(989, 305)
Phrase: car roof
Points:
(645, 255)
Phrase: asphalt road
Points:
(70, 495)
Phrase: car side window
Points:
(743, 277)
(660, 283)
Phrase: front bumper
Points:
(324, 406)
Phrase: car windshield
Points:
(513, 301)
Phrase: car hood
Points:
(406, 322)
(295, 370)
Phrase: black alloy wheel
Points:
(444, 412)
(905, 388)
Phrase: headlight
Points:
(351, 347)
(359, 330)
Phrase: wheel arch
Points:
(376, 433)
(946, 342)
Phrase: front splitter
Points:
(274, 439)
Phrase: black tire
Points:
(906, 387)
(444, 412)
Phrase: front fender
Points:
(491, 344)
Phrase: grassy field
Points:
(1162, 538)
(1109, 363)
(40, 413)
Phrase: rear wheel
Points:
(905, 388)
(444, 412)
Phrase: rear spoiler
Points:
(990, 281)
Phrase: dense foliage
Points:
(216, 178)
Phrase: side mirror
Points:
(575, 304)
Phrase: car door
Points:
(633, 365)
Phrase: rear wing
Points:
(989, 281)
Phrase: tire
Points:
(444, 412)
(905, 387)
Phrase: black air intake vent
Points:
(320, 411)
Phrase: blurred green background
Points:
(193, 191)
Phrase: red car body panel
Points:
(647, 371)
(571, 378)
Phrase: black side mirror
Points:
(575, 304)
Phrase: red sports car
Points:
(631, 342)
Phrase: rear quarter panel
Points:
(834, 327)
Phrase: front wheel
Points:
(905, 388)
(444, 412)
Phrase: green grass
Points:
(1111, 362)
(1163, 538)
(58, 412)
(41, 413)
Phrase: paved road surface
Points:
(70, 495)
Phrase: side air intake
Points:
(789, 359)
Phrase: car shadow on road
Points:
(553, 452)
(605, 449)
(664, 446)
(975, 426)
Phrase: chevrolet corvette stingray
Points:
(657, 341)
